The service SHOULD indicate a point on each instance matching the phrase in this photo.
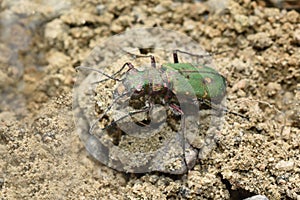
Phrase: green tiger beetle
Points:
(207, 84)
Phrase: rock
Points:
(79, 18)
(57, 58)
(100, 9)
(285, 165)
(257, 197)
(260, 40)
(189, 24)
(217, 6)
(159, 9)
(296, 36)
(116, 28)
(242, 84)
(55, 29)
(293, 16)
(241, 23)
(273, 88)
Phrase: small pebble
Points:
(100, 9)
(293, 16)
(285, 165)
(273, 88)
(257, 197)
(159, 9)
(260, 40)
(241, 23)
(297, 36)
(242, 84)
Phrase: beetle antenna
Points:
(128, 64)
(153, 62)
(98, 71)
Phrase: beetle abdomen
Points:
(206, 82)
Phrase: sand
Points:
(42, 155)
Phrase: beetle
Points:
(206, 83)
(160, 84)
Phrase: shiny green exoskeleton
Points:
(206, 83)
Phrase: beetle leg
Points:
(153, 63)
(106, 111)
(183, 133)
(176, 109)
(175, 56)
(131, 113)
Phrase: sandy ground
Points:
(42, 156)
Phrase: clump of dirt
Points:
(42, 155)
